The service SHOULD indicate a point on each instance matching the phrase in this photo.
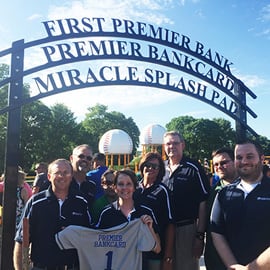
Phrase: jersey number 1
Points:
(109, 254)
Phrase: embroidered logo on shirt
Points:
(263, 199)
(76, 214)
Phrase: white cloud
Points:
(148, 11)
(265, 13)
(34, 17)
(252, 81)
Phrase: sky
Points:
(239, 30)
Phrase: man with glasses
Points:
(189, 187)
(81, 163)
(240, 219)
(223, 164)
(109, 196)
(49, 212)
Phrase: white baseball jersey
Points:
(117, 248)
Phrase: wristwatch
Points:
(168, 259)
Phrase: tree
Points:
(202, 136)
(46, 133)
(36, 121)
(62, 134)
(98, 121)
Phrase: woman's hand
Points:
(147, 220)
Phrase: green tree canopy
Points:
(202, 136)
(98, 121)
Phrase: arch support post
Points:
(12, 154)
(240, 125)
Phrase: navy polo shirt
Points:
(112, 216)
(190, 186)
(157, 197)
(46, 218)
(244, 222)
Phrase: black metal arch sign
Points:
(91, 52)
(170, 60)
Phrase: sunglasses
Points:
(107, 183)
(82, 156)
(154, 166)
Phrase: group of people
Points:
(157, 223)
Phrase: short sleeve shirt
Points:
(189, 185)
(243, 220)
(116, 248)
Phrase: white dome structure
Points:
(115, 142)
(152, 135)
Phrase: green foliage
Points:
(98, 121)
(202, 136)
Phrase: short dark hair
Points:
(99, 157)
(222, 150)
(257, 145)
(129, 173)
(43, 165)
(153, 155)
(108, 171)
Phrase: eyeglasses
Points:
(82, 156)
(222, 163)
(172, 143)
(107, 183)
(152, 165)
(63, 174)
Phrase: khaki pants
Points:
(184, 238)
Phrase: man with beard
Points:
(240, 218)
(81, 162)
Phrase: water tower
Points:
(152, 137)
(116, 142)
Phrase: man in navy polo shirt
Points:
(49, 212)
(80, 160)
(240, 218)
(190, 187)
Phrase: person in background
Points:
(190, 189)
(109, 196)
(81, 162)
(22, 195)
(41, 181)
(240, 219)
(49, 212)
(223, 164)
(99, 167)
(155, 195)
(125, 209)
(266, 170)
